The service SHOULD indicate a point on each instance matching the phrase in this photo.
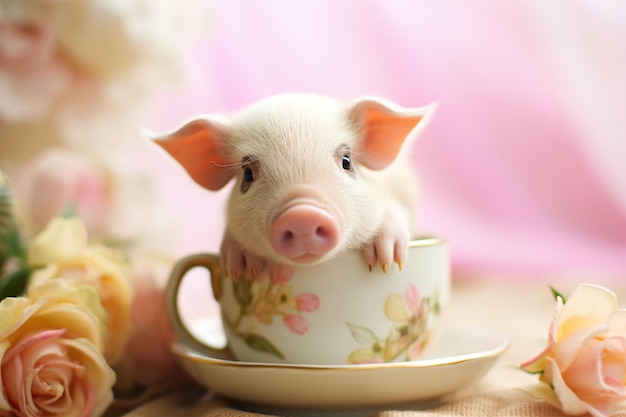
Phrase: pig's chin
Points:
(307, 259)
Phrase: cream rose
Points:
(584, 364)
(62, 246)
(50, 360)
(61, 240)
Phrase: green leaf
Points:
(261, 344)
(436, 308)
(243, 292)
(433, 303)
(6, 223)
(363, 335)
(16, 245)
(556, 294)
(11, 245)
(69, 212)
(6, 206)
(14, 284)
(403, 330)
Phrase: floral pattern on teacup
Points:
(265, 301)
(406, 338)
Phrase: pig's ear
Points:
(384, 128)
(198, 147)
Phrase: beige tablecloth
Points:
(521, 309)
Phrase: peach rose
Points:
(62, 246)
(584, 364)
(50, 360)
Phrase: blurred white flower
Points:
(110, 199)
(85, 68)
(32, 77)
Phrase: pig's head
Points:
(302, 165)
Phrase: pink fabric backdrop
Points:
(523, 168)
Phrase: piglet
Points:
(315, 177)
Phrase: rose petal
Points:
(4, 404)
(13, 312)
(412, 297)
(49, 386)
(569, 401)
(567, 349)
(63, 239)
(544, 392)
(99, 394)
(296, 324)
(613, 364)
(586, 307)
(307, 302)
(596, 374)
(584, 373)
(75, 307)
(538, 363)
(617, 322)
(29, 341)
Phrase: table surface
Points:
(521, 309)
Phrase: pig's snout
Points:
(304, 233)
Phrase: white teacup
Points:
(333, 313)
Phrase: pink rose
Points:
(50, 374)
(584, 364)
(59, 181)
(51, 360)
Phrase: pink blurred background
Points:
(523, 168)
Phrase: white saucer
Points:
(460, 356)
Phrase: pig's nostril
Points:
(321, 232)
(288, 236)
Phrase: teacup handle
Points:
(212, 263)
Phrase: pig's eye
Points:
(250, 171)
(346, 163)
(248, 175)
(343, 159)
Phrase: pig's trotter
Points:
(390, 244)
(238, 262)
